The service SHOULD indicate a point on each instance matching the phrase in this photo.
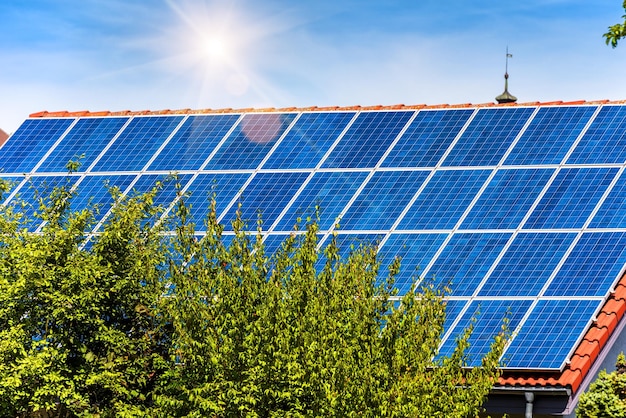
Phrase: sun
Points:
(209, 36)
(214, 48)
(219, 48)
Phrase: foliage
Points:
(606, 396)
(132, 321)
(77, 334)
(616, 32)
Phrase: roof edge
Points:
(587, 352)
(86, 113)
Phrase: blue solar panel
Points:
(506, 200)
(167, 187)
(488, 136)
(367, 139)
(265, 197)
(30, 143)
(465, 261)
(415, 251)
(427, 138)
(592, 267)
(427, 185)
(527, 264)
(251, 141)
(383, 199)
(550, 135)
(571, 197)
(223, 187)
(605, 140)
(10, 183)
(347, 244)
(328, 193)
(453, 310)
(489, 316)
(446, 197)
(193, 142)
(83, 143)
(93, 191)
(35, 191)
(612, 213)
(309, 139)
(549, 334)
(137, 143)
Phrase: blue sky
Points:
(171, 54)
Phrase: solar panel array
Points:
(522, 210)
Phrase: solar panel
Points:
(488, 315)
(137, 143)
(488, 137)
(518, 209)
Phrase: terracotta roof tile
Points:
(65, 113)
(599, 334)
(620, 292)
(607, 320)
(581, 363)
(617, 307)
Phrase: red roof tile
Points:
(64, 113)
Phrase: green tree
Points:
(305, 332)
(137, 321)
(77, 335)
(616, 32)
(606, 396)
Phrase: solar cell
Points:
(168, 187)
(137, 143)
(549, 334)
(488, 136)
(593, 266)
(466, 260)
(368, 139)
(571, 197)
(265, 197)
(222, 187)
(489, 316)
(527, 264)
(382, 200)
(506, 200)
(415, 251)
(347, 243)
(83, 143)
(93, 191)
(309, 139)
(193, 142)
(251, 141)
(33, 193)
(605, 140)
(550, 135)
(427, 138)
(444, 199)
(612, 213)
(30, 143)
(325, 195)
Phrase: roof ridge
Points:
(65, 113)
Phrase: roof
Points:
(593, 340)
